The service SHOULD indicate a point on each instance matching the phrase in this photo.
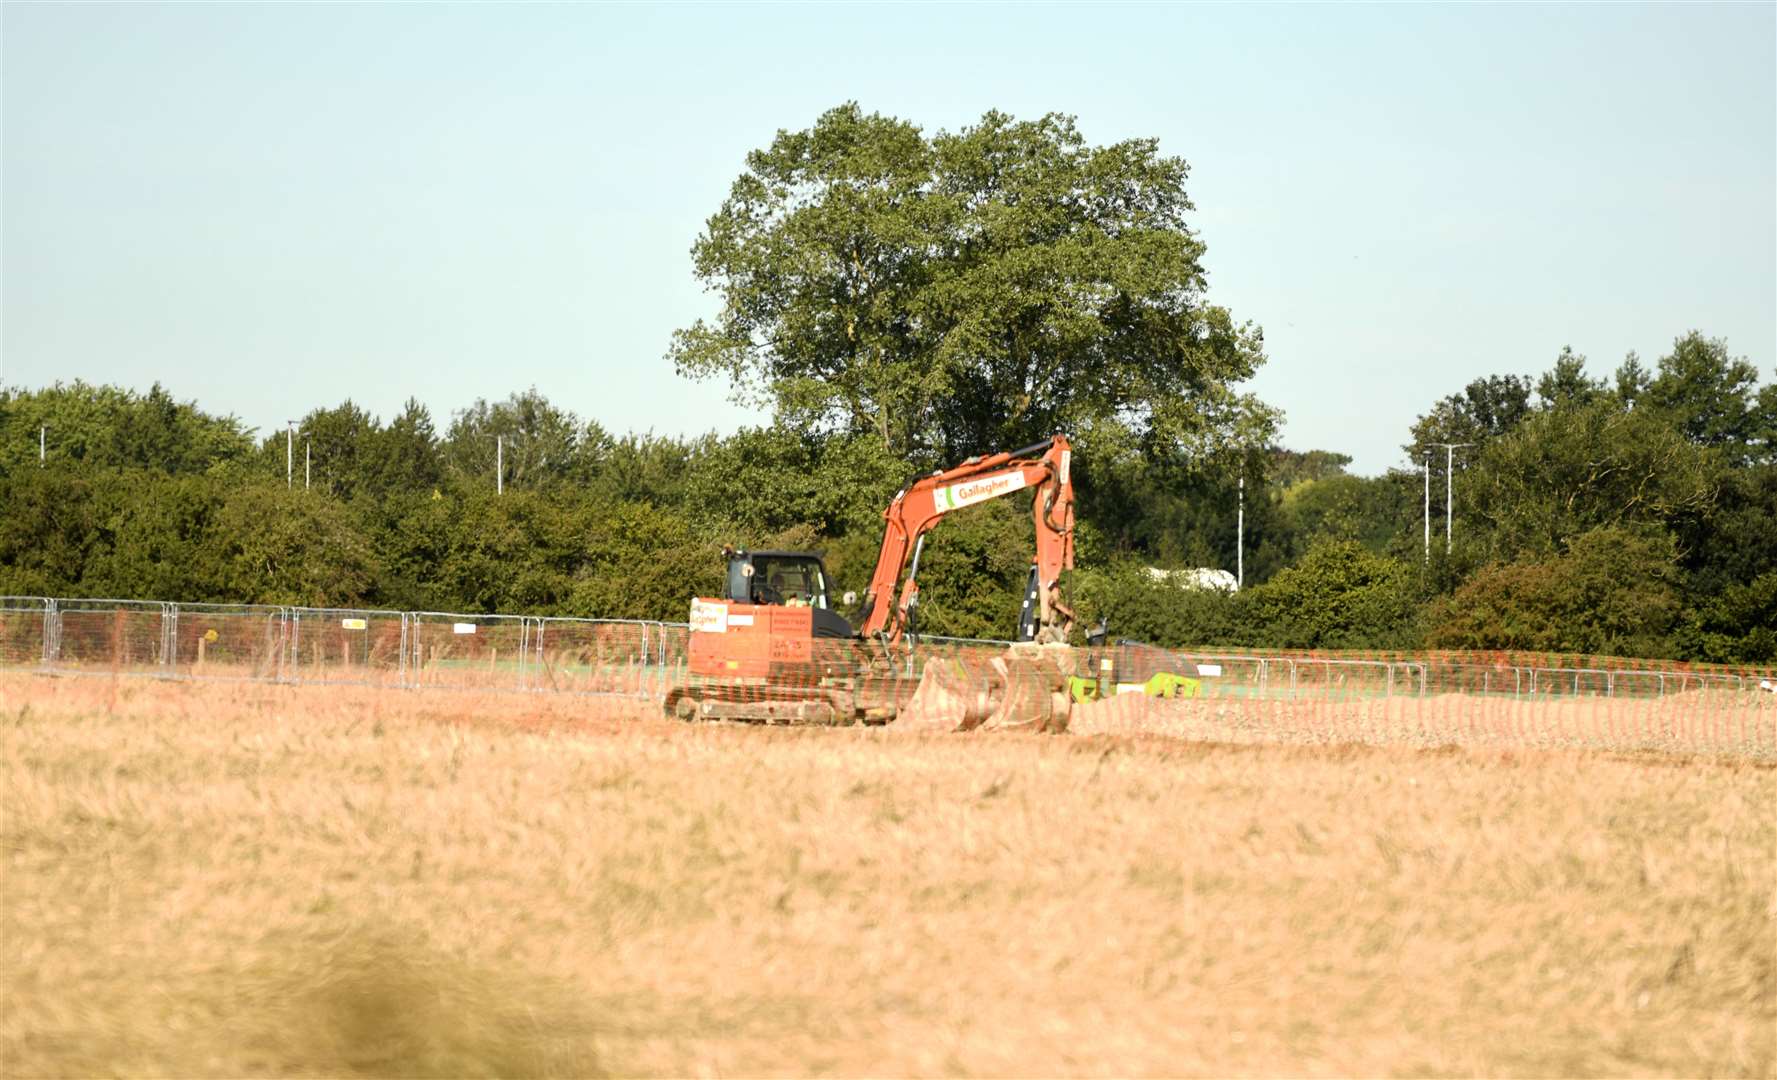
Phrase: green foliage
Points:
(1613, 591)
(279, 546)
(1136, 605)
(1620, 519)
(108, 427)
(1737, 540)
(1568, 470)
(973, 570)
(52, 529)
(537, 443)
(643, 563)
(1339, 507)
(1711, 398)
(763, 480)
(1737, 626)
(1340, 596)
(1567, 385)
(1485, 409)
(968, 292)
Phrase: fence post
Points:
(169, 633)
(49, 633)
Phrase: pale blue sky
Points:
(270, 208)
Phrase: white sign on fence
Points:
(463, 628)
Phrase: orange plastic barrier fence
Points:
(1505, 700)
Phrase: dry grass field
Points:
(213, 880)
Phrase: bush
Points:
(1612, 592)
(1340, 596)
(1137, 606)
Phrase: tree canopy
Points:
(970, 291)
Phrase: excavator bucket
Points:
(1034, 693)
(1022, 689)
(953, 695)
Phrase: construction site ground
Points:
(248, 879)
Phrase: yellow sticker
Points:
(353, 624)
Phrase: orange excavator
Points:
(772, 648)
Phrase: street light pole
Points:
(1240, 537)
(1449, 492)
(42, 453)
(1427, 470)
(289, 453)
(499, 464)
(308, 451)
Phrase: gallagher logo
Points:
(974, 491)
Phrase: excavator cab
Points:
(786, 579)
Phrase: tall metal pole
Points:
(308, 451)
(289, 453)
(41, 452)
(1427, 470)
(1449, 496)
(1240, 537)
(499, 464)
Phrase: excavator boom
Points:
(921, 505)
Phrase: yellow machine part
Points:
(1163, 684)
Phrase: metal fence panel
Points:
(346, 645)
(228, 641)
(125, 637)
(606, 656)
(481, 652)
(1228, 675)
(1329, 679)
(24, 630)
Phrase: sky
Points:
(271, 208)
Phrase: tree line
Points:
(1632, 517)
(899, 300)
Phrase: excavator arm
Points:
(922, 504)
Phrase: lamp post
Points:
(289, 453)
(1240, 537)
(1449, 493)
(1427, 470)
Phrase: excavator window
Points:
(790, 580)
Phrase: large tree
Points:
(1715, 399)
(1486, 409)
(970, 291)
(1566, 470)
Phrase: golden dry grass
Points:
(265, 880)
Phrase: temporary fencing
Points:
(347, 646)
(1503, 699)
